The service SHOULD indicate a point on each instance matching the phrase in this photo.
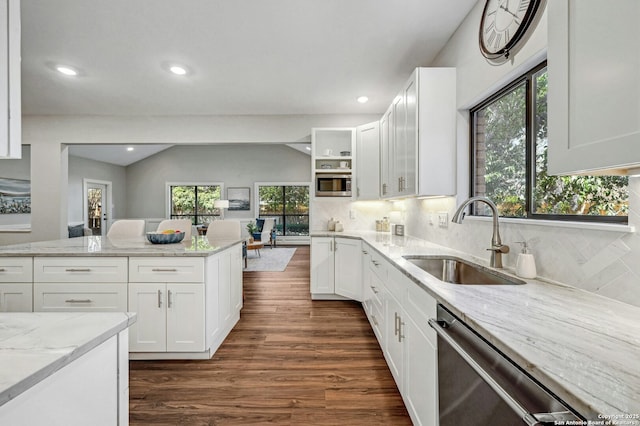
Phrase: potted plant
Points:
(252, 229)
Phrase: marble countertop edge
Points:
(125, 319)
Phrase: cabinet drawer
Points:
(421, 306)
(16, 269)
(167, 269)
(397, 285)
(104, 297)
(379, 266)
(80, 269)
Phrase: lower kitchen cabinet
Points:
(421, 373)
(408, 343)
(16, 290)
(16, 297)
(336, 268)
(170, 317)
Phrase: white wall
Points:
(233, 165)
(82, 168)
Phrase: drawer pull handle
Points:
(2, 270)
(78, 270)
(164, 270)
(78, 301)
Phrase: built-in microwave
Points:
(331, 185)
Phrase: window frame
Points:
(168, 200)
(530, 141)
(257, 186)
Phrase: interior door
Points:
(97, 208)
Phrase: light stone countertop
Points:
(104, 246)
(33, 346)
(583, 347)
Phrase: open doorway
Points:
(97, 205)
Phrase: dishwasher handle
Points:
(529, 418)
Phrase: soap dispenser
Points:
(526, 264)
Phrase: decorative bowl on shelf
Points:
(165, 238)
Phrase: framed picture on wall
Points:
(239, 198)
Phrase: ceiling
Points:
(243, 56)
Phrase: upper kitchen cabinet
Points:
(594, 89)
(368, 160)
(10, 106)
(333, 161)
(419, 136)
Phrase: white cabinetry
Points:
(593, 101)
(408, 343)
(368, 161)
(332, 153)
(81, 284)
(336, 268)
(170, 304)
(418, 136)
(10, 86)
(16, 289)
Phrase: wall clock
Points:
(505, 25)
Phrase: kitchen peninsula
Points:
(187, 296)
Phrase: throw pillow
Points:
(260, 224)
(76, 231)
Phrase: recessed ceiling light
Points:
(363, 99)
(130, 148)
(67, 70)
(178, 69)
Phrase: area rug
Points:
(270, 260)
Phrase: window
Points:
(509, 162)
(194, 202)
(288, 205)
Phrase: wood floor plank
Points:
(288, 361)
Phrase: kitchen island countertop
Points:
(198, 246)
(583, 347)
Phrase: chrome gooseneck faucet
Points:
(497, 248)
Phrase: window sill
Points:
(611, 227)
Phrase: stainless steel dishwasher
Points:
(479, 386)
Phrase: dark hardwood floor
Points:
(288, 361)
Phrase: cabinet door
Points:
(224, 287)
(149, 332)
(385, 153)
(348, 268)
(236, 279)
(368, 161)
(420, 375)
(396, 144)
(408, 153)
(185, 317)
(594, 114)
(394, 343)
(16, 297)
(322, 265)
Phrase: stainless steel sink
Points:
(457, 271)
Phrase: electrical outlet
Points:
(352, 214)
(443, 220)
(431, 219)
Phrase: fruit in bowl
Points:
(168, 236)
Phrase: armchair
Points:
(267, 234)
